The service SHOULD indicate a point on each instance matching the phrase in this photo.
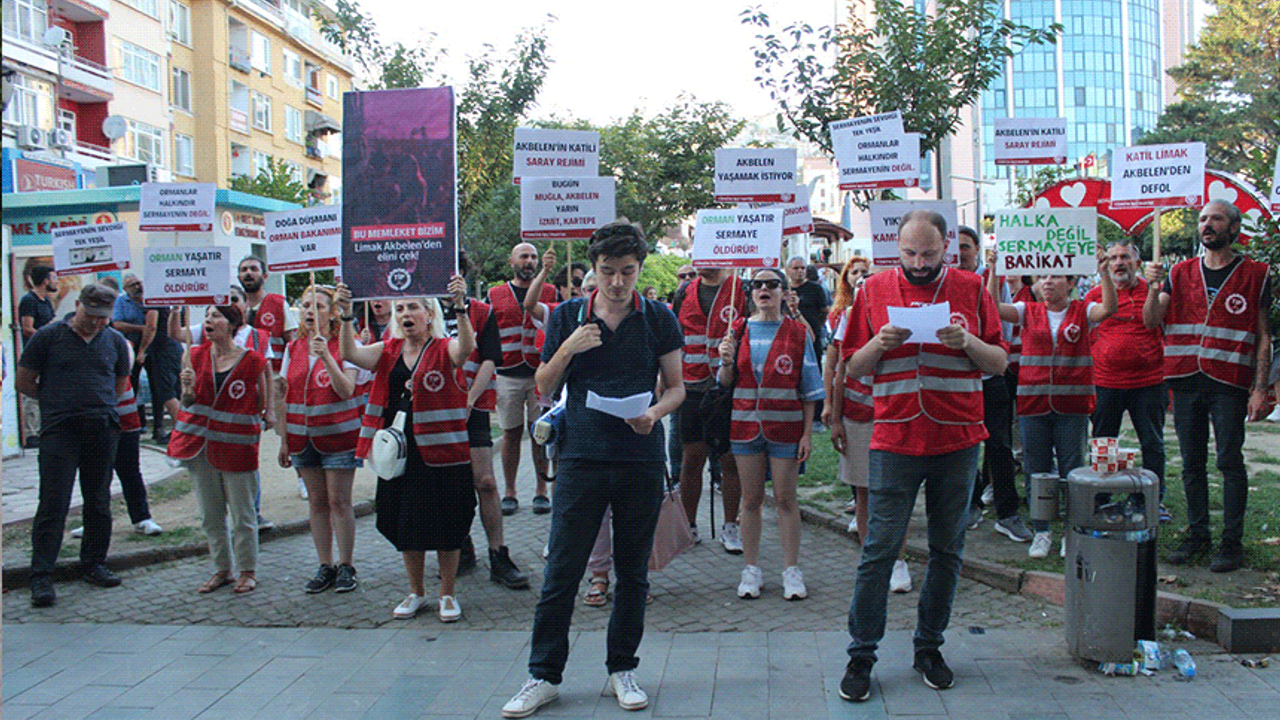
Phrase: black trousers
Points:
(997, 450)
(86, 445)
(129, 470)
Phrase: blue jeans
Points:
(1192, 413)
(1049, 438)
(1145, 406)
(583, 490)
(894, 483)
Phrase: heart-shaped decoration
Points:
(1073, 194)
(1042, 203)
(1218, 190)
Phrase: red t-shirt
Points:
(921, 436)
(1125, 353)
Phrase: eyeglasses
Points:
(577, 282)
(685, 276)
(766, 284)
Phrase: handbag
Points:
(672, 535)
(716, 409)
(390, 451)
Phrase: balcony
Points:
(239, 59)
(82, 80)
(315, 97)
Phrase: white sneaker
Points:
(853, 526)
(731, 538)
(793, 584)
(752, 579)
(409, 607)
(148, 527)
(900, 580)
(693, 530)
(78, 532)
(533, 695)
(546, 550)
(302, 489)
(1062, 549)
(450, 611)
(988, 496)
(623, 686)
(1040, 544)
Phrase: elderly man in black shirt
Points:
(76, 368)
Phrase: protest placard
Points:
(739, 237)
(304, 239)
(84, 249)
(176, 207)
(1047, 241)
(884, 228)
(186, 276)
(878, 161)
(399, 211)
(889, 123)
(1030, 141)
(759, 175)
(1275, 187)
(797, 216)
(1148, 176)
(555, 153)
(565, 207)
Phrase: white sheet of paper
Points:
(923, 322)
(625, 408)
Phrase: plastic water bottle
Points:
(1186, 666)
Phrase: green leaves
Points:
(275, 181)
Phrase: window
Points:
(139, 66)
(144, 143)
(32, 102)
(261, 164)
(335, 91)
(260, 52)
(150, 7)
(293, 124)
(26, 18)
(180, 89)
(179, 22)
(262, 111)
(292, 68)
(184, 160)
(295, 171)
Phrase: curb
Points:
(20, 576)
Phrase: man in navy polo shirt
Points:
(616, 344)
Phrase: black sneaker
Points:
(541, 504)
(346, 580)
(930, 664)
(466, 557)
(1190, 547)
(42, 592)
(503, 570)
(510, 505)
(856, 684)
(323, 580)
(1230, 557)
(98, 574)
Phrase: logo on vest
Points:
(1236, 304)
(959, 319)
(433, 381)
(726, 314)
(268, 319)
(1071, 332)
(398, 279)
(236, 389)
(783, 365)
(322, 379)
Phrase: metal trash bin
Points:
(1110, 587)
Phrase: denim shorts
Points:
(759, 446)
(311, 457)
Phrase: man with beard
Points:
(35, 309)
(928, 424)
(1216, 356)
(266, 311)
(1128, 357)
(517, 405)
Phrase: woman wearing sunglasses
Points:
(769, 361)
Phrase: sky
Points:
(611, 58)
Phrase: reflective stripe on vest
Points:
(226, 424)
(127, 410)
(702, 334)
(314, 412)
(1217, 338)
(1056, 376)
(772, 406)
(439, 417)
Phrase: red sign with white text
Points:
(31, 176)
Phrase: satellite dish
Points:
(114, 127)
(56, 37)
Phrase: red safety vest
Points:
(439, 405)
(1056, 378)
(270, 318)
(702, 335)
(928, 378)
(773, 405)
(225, 423)
(488, 399)
(127, 409)
(858, 405)
(313, 409)
(1218, 339)
(516, 331)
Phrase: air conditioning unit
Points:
(61, 138)
(32, 138)
(118, 175)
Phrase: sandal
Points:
(598, 594)
(246, 584)
(219, 579)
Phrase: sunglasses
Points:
(766, 284)
(685, 276)
(577, 282)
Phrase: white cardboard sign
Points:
(1275, 187)
(84, 249)
(176, 207)
(186, 275)
(738, 237)
(1047, 241)
(879, 161)
(884, 228)
(1030, 141)
(565, 207)
(889, 123)
(763, 175)
(1146, 176)
(797, 217)
(555, 153)
(304, 239)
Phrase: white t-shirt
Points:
(1055, 317)
(241, 339)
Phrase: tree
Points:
(1229, 90)
(277, 181)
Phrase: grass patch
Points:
(1263, 458)
(171, 489)
(183, 535)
